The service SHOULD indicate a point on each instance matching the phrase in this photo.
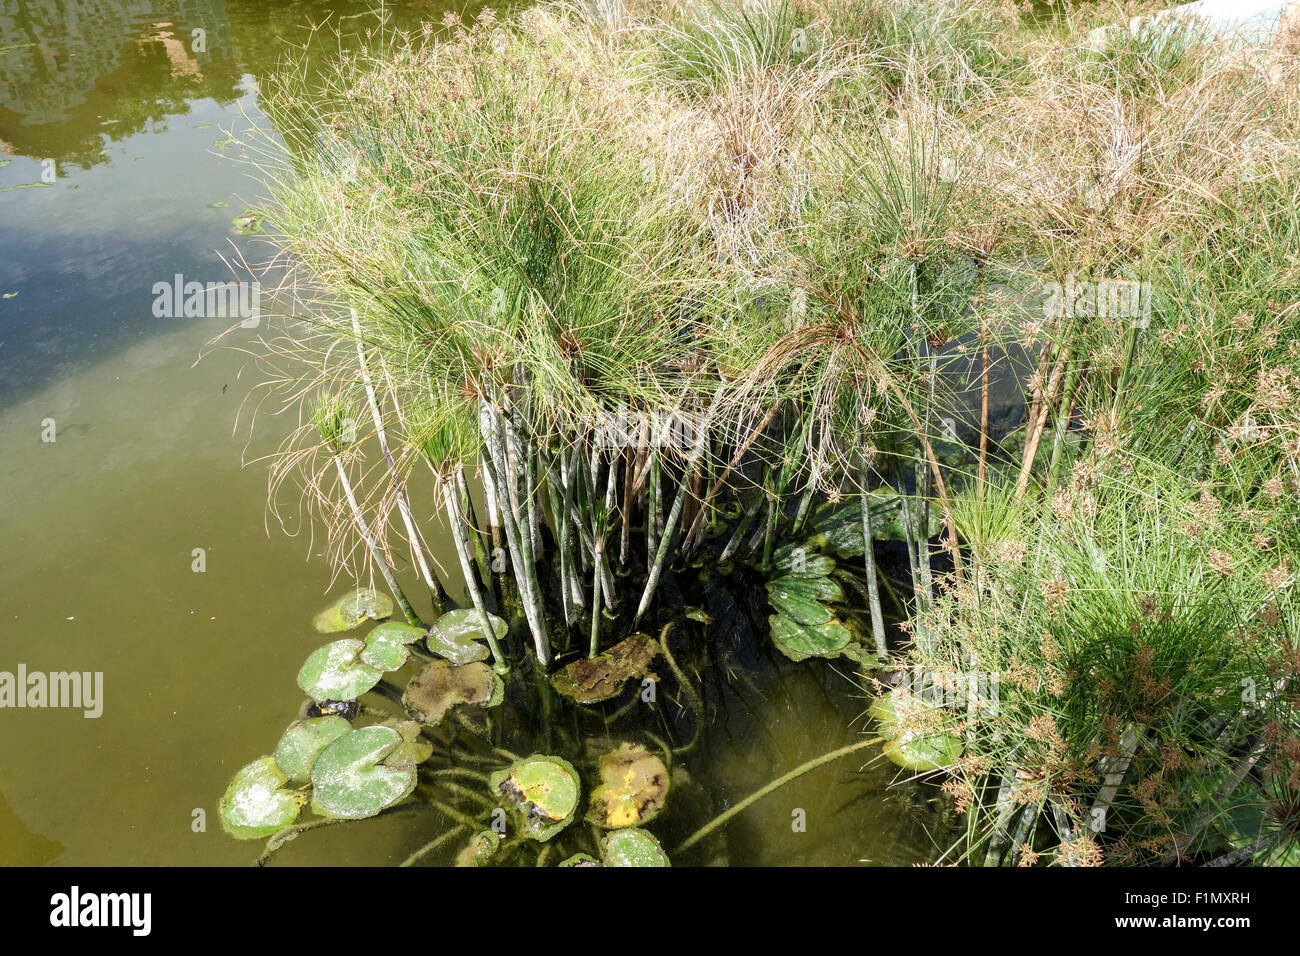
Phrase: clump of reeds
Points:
(697, 269)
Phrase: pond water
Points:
(119, 171)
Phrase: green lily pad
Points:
(351, 609)
(543, 792)
(581, 859)
(456, 635)
(811, 587)
(336, 672)
(633, 785)
(303, 741)
(480, 849)
(800, 642)
(349, 780)
(799, 608)
(589, 681)
(414, 748)
(923, 752)
(255, 806)
(797, 561)
(442, 685)
(386, 645)
(632, 847)
(914, 741)
(250, 223)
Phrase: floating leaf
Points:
(442, 685)
(799, 641)
(456, 635)
(303, 741)
(480, 849)
(336, 672)
(634, 783)
(799, 608)
(581, 859)
(603, 676)
(917, 732)
(632, 847)
(386, 645)
(254, 806)
(414, 748)
(351, 609)
(349, 781)
(808, 586)
(543, 792)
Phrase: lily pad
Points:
(386, 645)
(303, 741)
(543, 791)
(456, 635)
(811, 587)
(255, 806)
(414, 748)
(800, 641)
(581, 859)
(914, 741)
(336, 672)
(799, 607)
(349, 780)
(442, 685)
(351, 609)
(633, 785)
(632, 847)
(480, 849)
(589, 681)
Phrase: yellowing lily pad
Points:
(542, 791)
(351, 609)
(255, 806)
(456, 635)
(589, 681)
(632, 847)
(442, 685)
(349, 780)
(303, 741)
(336, 672)
(634, 783)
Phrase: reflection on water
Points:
(120, 167)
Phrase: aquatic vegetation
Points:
(962, 349)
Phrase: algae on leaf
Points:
(632, 847)
(351, 609)
(336, 672)
(456, 635)
(254, 804)
(442, 685)
(589, 681)
(349, 779)
(303, 741)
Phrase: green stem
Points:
(776, 784)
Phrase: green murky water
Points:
(119, 172)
